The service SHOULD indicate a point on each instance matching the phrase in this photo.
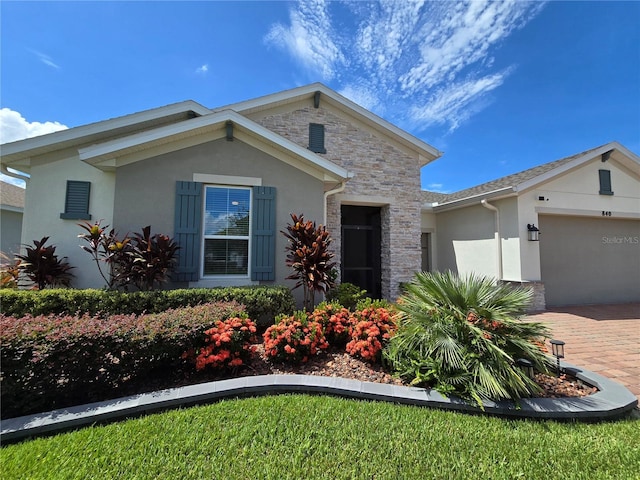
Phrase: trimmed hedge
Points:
(263, 303)
(52, 361)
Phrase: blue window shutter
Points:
(187, 230)
(76, 203)
(263, 222)
(316, 138)
(605, 182)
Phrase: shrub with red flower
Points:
(294, 339)
(228, 344)
(336, 322)
(371, 330)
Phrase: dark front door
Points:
(361, 248)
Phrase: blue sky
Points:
(498, 86)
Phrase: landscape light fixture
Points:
(557, 349)
(527, 367)
(533, 232)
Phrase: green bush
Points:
(57, 360)
(462, 336)
(263, 303)
(346, 294)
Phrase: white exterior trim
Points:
(545, 177)
(109, 150)
(227, 180)
(426, 153)
(585, 213)
(43, 143)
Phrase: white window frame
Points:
(205, 237)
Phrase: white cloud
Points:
(309, 38)
(363, 96)
(434, 60)
(203, 69)
(46, 59)
(453, 104)
(13, 126)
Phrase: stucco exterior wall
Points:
(385, 176)
(145, 190)
(10, 231)
(44, 201)
(576, 193)
(466, 241)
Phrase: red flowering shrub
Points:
(228, 344)
(294, 339)
(336, 322)
(372, 328)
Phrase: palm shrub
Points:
(309, 257)
(462, 335)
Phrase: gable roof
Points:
(94, 132)
(105, 155)
(426, 153)
(532, 177)
(11, 196)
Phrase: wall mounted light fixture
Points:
(532, 232)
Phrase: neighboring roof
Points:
(104, 155)
(433, 197)
(94, 132)
(518, 182)
(426, 152)
(11, 196)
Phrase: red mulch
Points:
(333, 363)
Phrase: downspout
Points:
(338, 189)
(497, 235)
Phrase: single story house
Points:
(569, 228)
(11, 211)
(188, 171)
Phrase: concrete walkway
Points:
(602, 338)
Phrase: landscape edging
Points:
(611, 401)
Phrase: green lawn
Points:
(312, 437)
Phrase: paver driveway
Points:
(602, 338)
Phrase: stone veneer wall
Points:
(381, 170)
(538, 302)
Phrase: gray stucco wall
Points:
(145, 190)
(10, 231)
(466, 240)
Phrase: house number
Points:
(606, 214)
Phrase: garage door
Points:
(589, 260)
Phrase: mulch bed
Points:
(333, 363)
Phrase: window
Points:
(226, 231)
(316, 138)
(605, 182)
(208, 246)
(76, 203)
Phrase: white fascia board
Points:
(95, 154)
(426, 153)
(21, 148)
(11, 208)
(475, 199)
(551, 174)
